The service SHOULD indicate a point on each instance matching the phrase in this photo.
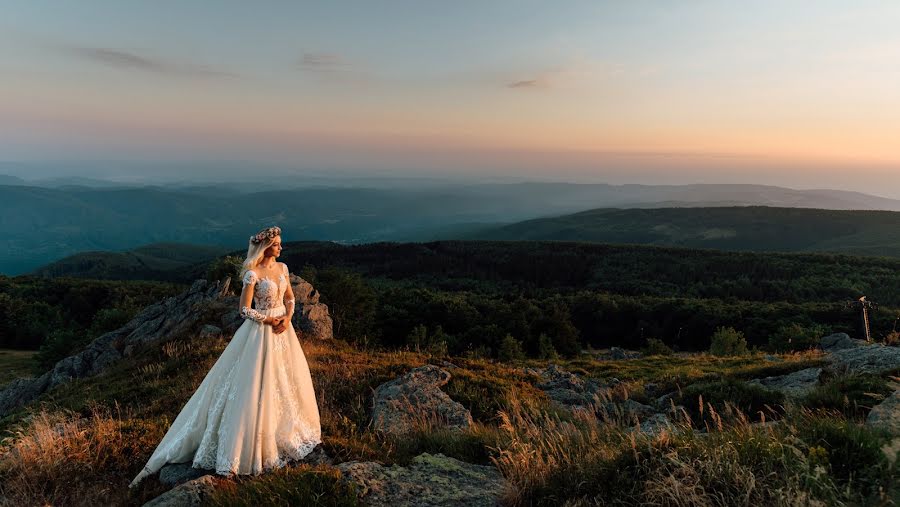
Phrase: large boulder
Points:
(403, 403)
(869, 358)
(310, 316)
(429, 481)
(794, 385)
(190, 494)
(886, 415)
(838, 341)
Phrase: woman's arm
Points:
(288, 295)
(246, 311)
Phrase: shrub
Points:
(510, 349)
(545, 348)
(727, 341)
(656, 347)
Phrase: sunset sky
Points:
(798, 93)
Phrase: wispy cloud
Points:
(323, 61)
(132, 61)
(528, 83)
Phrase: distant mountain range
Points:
(41, 224)
(753, 228)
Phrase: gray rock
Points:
(318, 456)
(566, 388)
(620, 353)
(403, 402)
(773, 359)
(796, 384)
(838, 341)
(429, 481)
(654, 424)
(209, 331)
(869, 358)
(177, 473)
(311, 317)
(626, 411)
(886, 415)
(190, 494)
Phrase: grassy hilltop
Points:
(494, 314)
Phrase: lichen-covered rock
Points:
(566, 388)
(838, 341)
(795, 385)
(886, 415)
(190, 494)
(869, 358)
(403, 403)
(429, 481)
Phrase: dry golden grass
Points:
(56, 453)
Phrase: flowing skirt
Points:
(255, 410)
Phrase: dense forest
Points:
(471, 295)
(61, 315)
(496, 298)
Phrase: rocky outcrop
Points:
(190, 494)
(886, 415)
(415, 398)
(174, 315)
(429, 481)
(869, 358)
(794, 385)
(310, 316)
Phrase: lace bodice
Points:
(267, 293)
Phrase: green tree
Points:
(795, 337)
(510, 349)
(545, 348)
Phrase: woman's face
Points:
(275, 249)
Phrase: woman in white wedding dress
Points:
(256, 408)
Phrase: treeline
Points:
(395, 315)
(500, 266)
(61, 315)
(478, 296)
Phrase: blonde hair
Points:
(256, 248)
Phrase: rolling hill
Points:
(159, 261)
(751, 228)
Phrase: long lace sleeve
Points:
(289, 293)
(250, 279)
(250, 313)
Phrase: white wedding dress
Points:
(256, 409)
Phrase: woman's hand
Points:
(282, 324)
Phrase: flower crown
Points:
(269, 233)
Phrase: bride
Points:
(256, 408)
